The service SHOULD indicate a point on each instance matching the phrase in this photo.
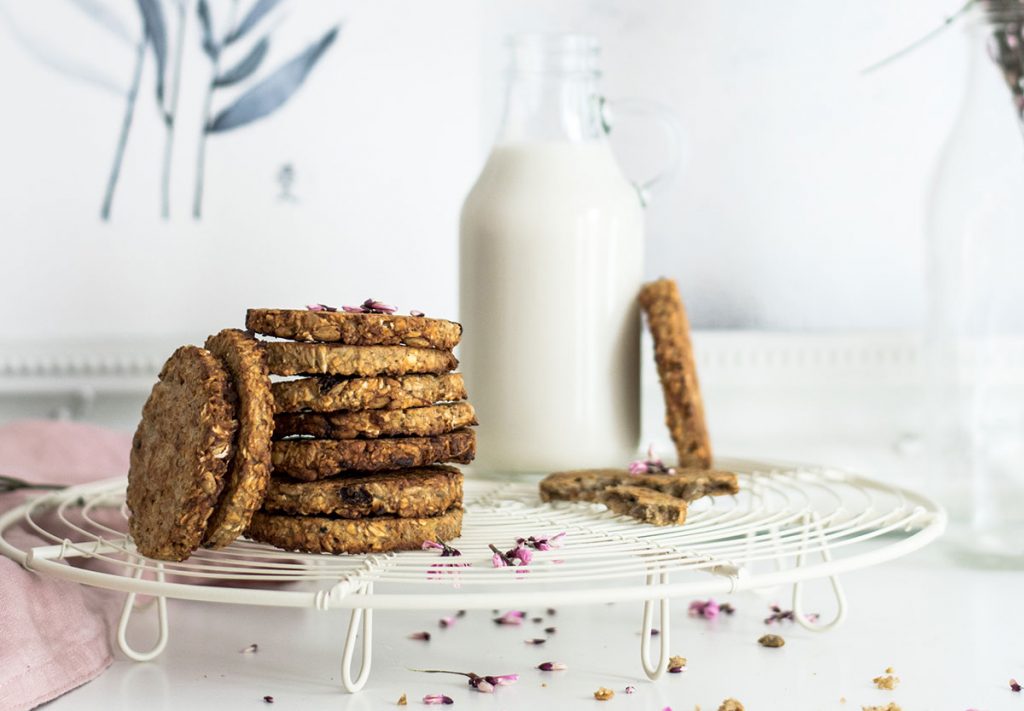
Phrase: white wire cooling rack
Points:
(788, 524)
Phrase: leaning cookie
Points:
(319, 534)
(677, 370)
(371, 424)
(406, 493)
(328, 393)
(249, 472)
(355, 329)
(311, 459)
(289, 358)
(180, 455)
(686, 484)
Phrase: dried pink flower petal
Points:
(484, 686)
(374, 306)
(630, 689)
(550, 630)
(523, 554)
(268, 699)
(1014, 685)
(498, 561)
(503, 679)
(552, 666)
(422, 636)
(512, 617)
(414, 312)
(708, 609)
(432, 545)
(651, 465)
(437, 700)
(352, 309)
(446, 622)
(251, 649)
(536, 640)
(320, 307)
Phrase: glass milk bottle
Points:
(551, 260)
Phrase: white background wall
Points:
(801, 207)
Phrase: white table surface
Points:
(954, 635)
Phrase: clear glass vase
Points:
(976, 294)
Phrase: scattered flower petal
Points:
(432, 545)
(523, 554)
(708, 609)
(1014, 685)
(512, 617)
(550, 630)
(676, 665)
(630, 689)
(437, 700)
(268, 699)
(460, 613)
(552, 666)
(414, 312)
(552, 611)
(503, 679)
(352, 309)
(445, 622)
(422, 636)
(779, 615)
(651, 465)
(727, 608)
(536, 640)
(251, 649)
(498, 560)
(320, 307)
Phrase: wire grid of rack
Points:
(788, 524)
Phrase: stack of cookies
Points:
(348, 458)
(361, 436)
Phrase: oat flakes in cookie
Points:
(371, 424)
(406, 493)
(687, 484)
(355, 329)
(328, 393)
(311, 459)
(180, 454)
(378, 534)
(291, 358)
(249, 470)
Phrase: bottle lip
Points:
(562, 54)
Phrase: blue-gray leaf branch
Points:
(262, 98)
(272, 92)
(156, 34)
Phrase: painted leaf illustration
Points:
(246, 67)
(273, 91)
(261, 8)
(156, 32)
(209, 46)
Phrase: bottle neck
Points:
(552, 90)
(552, 108)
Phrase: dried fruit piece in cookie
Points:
(328, 393)
(320, 534)
(407, 493)
(312, 459)
(180, 454)
(288, 358)
(249, 471)
(355, 329)
(677, 370)
(688, 484)
(371, 424)
(644, 505)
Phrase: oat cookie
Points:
(371, 424)
(321, 534)
(289, 358)
(180, 454)
(355, 329)
(686, 484)
(644, 505)
(328, 393)
(249, 471)
(677, 370)
(406, 493)
(311, 459)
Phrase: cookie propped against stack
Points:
(361, 434)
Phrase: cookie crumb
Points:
(888, 682)
(842, 699)
(730, 704)
(888, 670)
(676, 664)
(402, 700)
(603, 694)
(888, 707)
(771, 640)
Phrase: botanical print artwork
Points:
(162, 36)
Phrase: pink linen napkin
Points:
(54, 634)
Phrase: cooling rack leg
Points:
(360, 619)
(837, 588)
(126, 614)
(655, 671)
